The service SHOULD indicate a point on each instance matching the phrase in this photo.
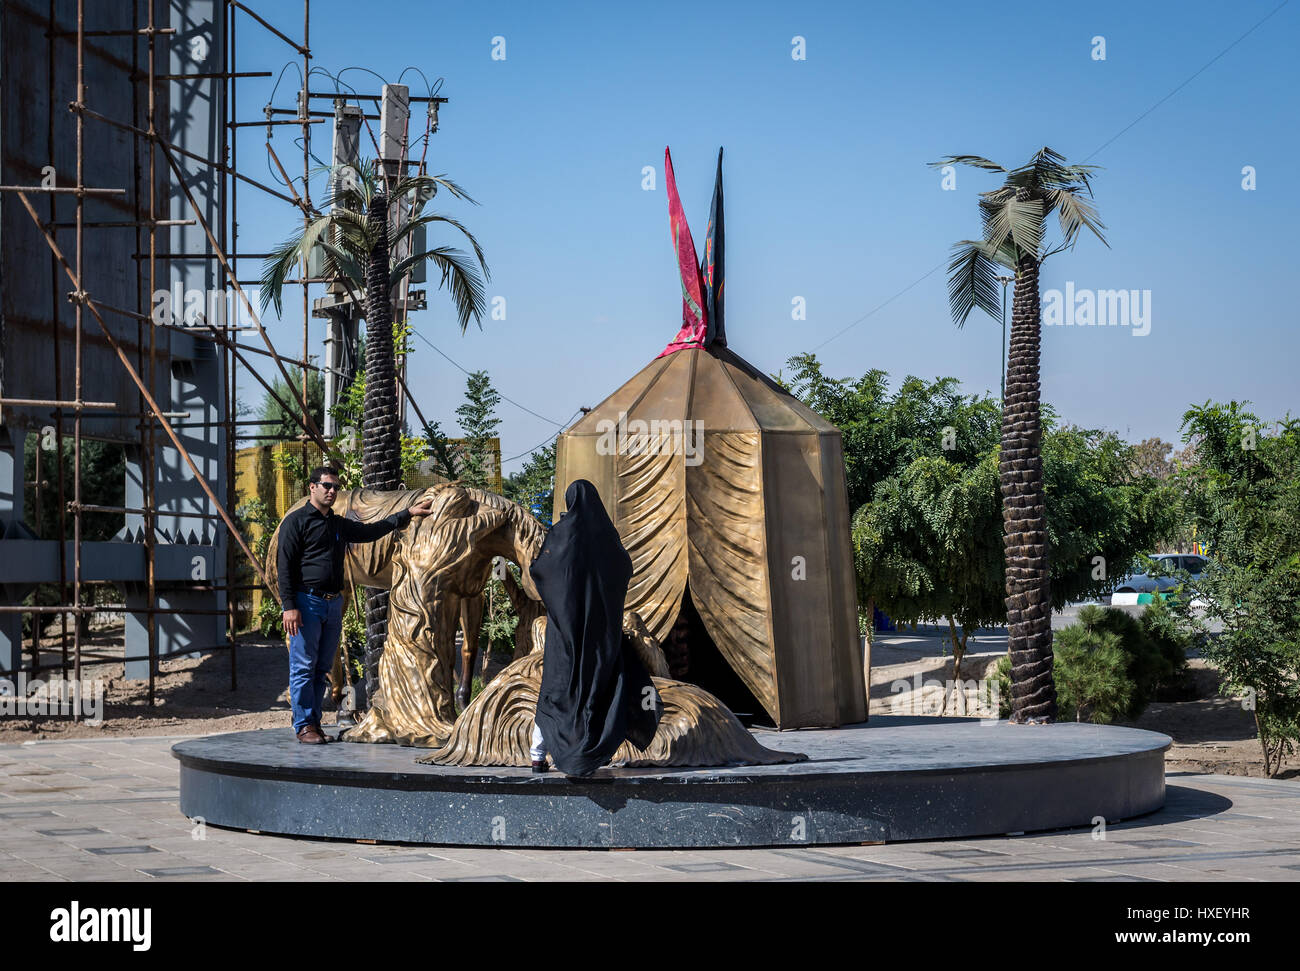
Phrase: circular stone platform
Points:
(894, 778)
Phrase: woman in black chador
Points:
(595, 692)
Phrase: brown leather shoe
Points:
(311, 735)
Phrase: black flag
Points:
(713, 267)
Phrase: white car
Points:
(1158, 581)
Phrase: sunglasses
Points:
(329, 486)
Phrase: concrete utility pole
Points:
(394, 118)
(342, 316)
(337, 309)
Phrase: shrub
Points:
(269, 619)
(1110, 665)
(1002, 675)
(1166, 632)
(1091, 668)
(1244, 492)
(1155, 654)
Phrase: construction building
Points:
(125, 311)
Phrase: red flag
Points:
(694, 320)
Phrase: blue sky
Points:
(828, 194)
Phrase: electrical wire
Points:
(428, 90)
(544, 441)
(280, 77)
(382, 79)
(1091, 155)
(1189, 80)
(880, 306)
(503, 397)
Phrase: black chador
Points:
(595, 691)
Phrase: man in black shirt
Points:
(310, 565)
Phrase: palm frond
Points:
(973, 280)
(344, 265)
(1048, 170)
(409, 227)
(1075, 212)
(1019, 221)
(1038, 172)
(352, 186)
(460, 278)
(276, 268)
(353, 232)
(975, 161)
(412, 184)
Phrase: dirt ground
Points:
(1210, 733)
(193, 697)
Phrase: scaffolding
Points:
(155, 155)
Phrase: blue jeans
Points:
(311, 655)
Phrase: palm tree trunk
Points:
(1024, 521)
(381, 463)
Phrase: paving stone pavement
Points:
(107, 810)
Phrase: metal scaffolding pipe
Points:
(153, 405)
(145, 84)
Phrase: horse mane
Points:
(368, 559)
(368, 505)
(371, 564)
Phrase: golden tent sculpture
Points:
(729, 491)
(729, 494)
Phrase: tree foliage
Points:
(883, 434)
(103, 483)
(1014, 218)
(534, 484)
(922, 465)
(346, 239)
(479, 423)
(277, 420)
(1110, 665)
(349, 443)
(1244, 492)
(1090, 668)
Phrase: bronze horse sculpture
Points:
(436, 570)
(432, 569)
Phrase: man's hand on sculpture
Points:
(421, 509)
(292, 622)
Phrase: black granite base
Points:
(895, 778)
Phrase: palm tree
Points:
(354, 236)
(1014, 217)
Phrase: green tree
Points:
(534, 484)
(923, 469)
(479, 423)
(103, 483)
(279, 422)
(349, 443)
(1101, 514)
(927, 546)
(1014, 237)
(1091, 675)
(1157, 459)
(440, 455)
(884, 433)
(1111, 664)
(1244, 491)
